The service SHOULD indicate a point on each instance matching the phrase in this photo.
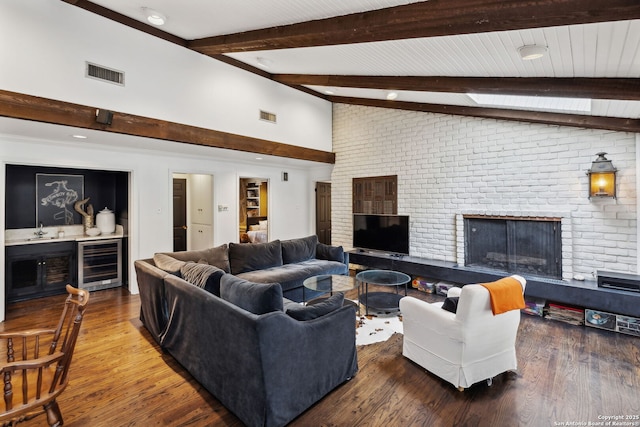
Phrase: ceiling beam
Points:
(432, 18)
(559, 119)
(423, 19)
(28, 107)
(125, 20)
(593, 88)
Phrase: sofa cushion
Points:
(256, 256)
(296, 250)
(168, 263)
(291, 276)
(328, 252)
(288, 275)
(287, 303)
(203, 275)
(217, 256)
(258, 298)
(315, 267)
(313, 311)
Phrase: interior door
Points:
(323, 212)
(179, 214)
(253, 210)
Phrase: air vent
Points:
(105, 74)
(268, 117)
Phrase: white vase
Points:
(106, 221)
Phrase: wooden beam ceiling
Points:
(429, 19)
(574, 120)
(594, 88)
(125, 20)
(27, 107)
(424, 19)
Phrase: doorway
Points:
(323, 212)
(179, 214)
(192, 211)
(254, 210)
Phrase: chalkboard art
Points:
(55, 197)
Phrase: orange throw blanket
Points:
(506, 295)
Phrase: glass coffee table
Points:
(327, 284)
(382, 301)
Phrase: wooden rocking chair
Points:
(32, 381)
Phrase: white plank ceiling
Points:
(592, 50)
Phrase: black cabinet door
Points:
(57, 270)
(39, 270)
(23, 276)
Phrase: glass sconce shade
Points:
(602, 178)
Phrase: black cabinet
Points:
(40, 269)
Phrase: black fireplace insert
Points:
(514, 245)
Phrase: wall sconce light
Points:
(602, 178)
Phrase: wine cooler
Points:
(99, 265)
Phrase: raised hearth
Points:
(585, 294)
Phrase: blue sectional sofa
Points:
(241, 339)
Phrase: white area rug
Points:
(376, 327)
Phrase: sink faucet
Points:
(40, 233)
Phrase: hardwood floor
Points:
(566, 374)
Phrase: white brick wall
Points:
(448, 165)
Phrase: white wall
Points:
(448, 165)
(291, 203)
(44, 45)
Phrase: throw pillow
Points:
(296, 250)
(258, 298)
(257, 256)
(313, 311)
(450, 304)
(218, 256)
(330, 253)
(168, 263)
(203, 276)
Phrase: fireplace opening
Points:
(514, 245)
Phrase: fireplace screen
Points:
(514, 245)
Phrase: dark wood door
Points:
(323, 212)
(179, 214)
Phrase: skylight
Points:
(543, 103)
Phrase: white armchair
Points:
(465, 347)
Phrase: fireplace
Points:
(523, 245)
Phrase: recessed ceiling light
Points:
(78, 136)
(329, 91)
(533, 51)
(258, 158)
(154, 17)
(392, 95)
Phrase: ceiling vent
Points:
(105, 74)
(268, 117)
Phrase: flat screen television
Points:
(387, 233)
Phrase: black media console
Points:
(585, 294)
